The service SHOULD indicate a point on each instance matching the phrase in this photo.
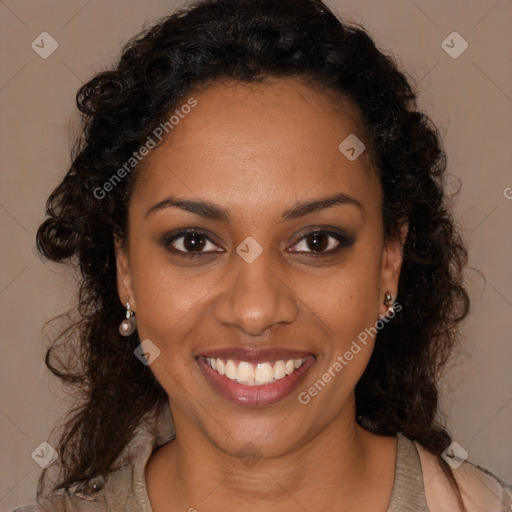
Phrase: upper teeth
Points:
(255, 374)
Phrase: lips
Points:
(255, 376)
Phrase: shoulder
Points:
(480, 489)
(83, 496)
(122, 489)
(111, 492)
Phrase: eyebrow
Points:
(214, 212)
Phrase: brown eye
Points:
(320, 242)
(194, 242)
(190, 244)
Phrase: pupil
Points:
(316, 244)
(193, 242)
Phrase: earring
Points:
(129, 324)
(388, 301)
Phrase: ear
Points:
(392, 258)
(124, 277)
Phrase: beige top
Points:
(419, 485)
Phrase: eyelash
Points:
(344, 241)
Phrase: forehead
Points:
(254, 144)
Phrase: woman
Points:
(271, 277)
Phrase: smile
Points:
(251, 374)
(254, 377)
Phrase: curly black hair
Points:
(249, 41)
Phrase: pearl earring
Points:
(129, 324)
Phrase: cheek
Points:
(172, 309)
(348, 298)
(169, 311)
(347, 307)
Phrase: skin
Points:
(256, 150)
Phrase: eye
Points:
(187, 242)
(322, 243)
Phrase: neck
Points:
(336, 467)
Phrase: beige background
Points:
(470, 99)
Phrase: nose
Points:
(255, 297)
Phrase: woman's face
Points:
(260, 290)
